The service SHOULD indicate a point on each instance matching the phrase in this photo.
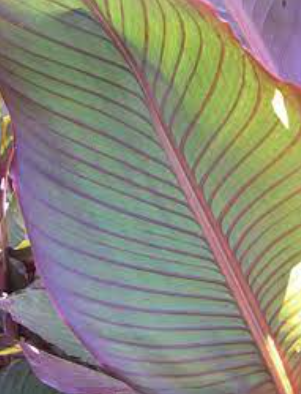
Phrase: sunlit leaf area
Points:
(150, 197)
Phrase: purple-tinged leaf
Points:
(68, 377)
(273, 30)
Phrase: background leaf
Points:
(32, 309)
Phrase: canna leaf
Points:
(158, 170)
(71, 378)
(273, 31)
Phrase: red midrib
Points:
(225, 257)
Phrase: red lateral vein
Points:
(131, 127)
(162, 46)
(120, 235)
(236, 166)
(146, 38)
(72, 25)
(272, 262)
(51, 60)
(180, 54)
(181, 359)
(236, 137)
(229, 205)
(215, 133)
(191, 127)
(103, 133)
(247, 230)
(271, 226)
(190, 78)
(280, 237)
(129, 166)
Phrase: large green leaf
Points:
(19, 379)
(159, 175)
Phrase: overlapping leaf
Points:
(273, 30)
(159, 174)
(68, 377)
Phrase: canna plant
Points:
(156, 163)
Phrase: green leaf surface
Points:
(159, 173)
(19, 379)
